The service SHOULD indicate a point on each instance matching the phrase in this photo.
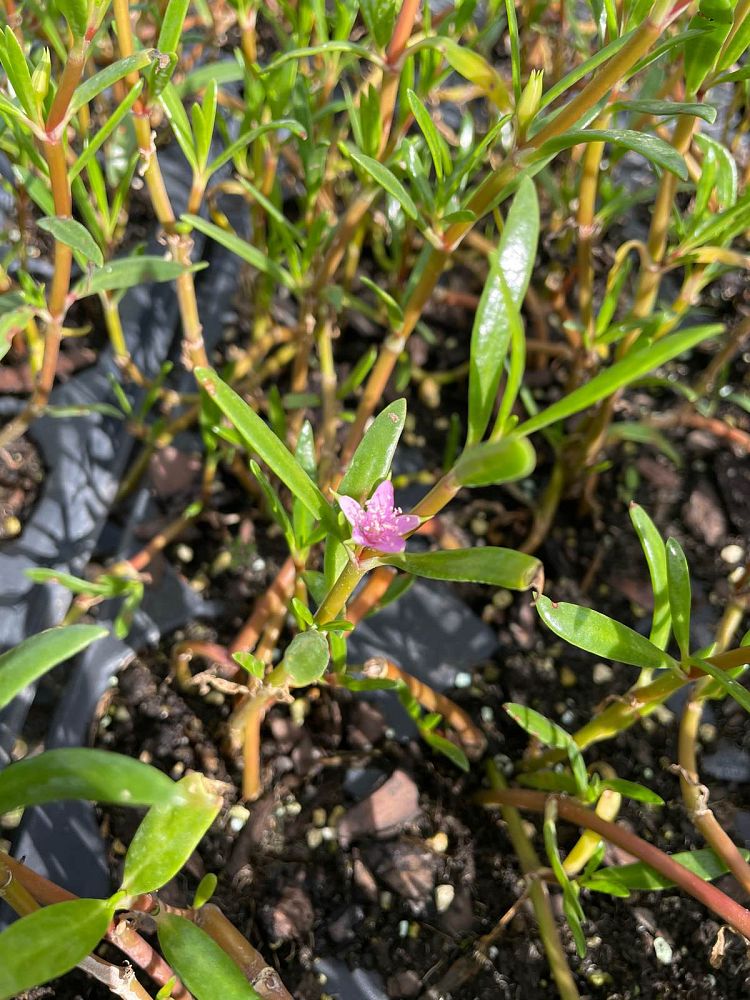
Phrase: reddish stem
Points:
(721, 904)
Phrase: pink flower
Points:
(379, 525)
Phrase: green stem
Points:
(334, 601)
(538, 893)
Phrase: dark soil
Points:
(301, 895)
(21, 474)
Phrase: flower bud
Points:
(528, 102)
(41, 76)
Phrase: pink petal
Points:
(382, 498)
(391, 542)
(360, 538)
(406, 523)
(352, 510)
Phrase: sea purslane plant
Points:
(375, 147)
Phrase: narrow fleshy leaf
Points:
(497, 567)
(23, 664)
(372, 460)
(596, 633)
(205, 968)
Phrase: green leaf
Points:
(372, 460)
(290, 125)
(632, 790)
(106, 78)
(11, 321)
(650, 146)
(491, 565)
(640, 877)
(447, 748)
(383, 177)
(598, 634)
(206, 889)
(19, 77)
(274, 504)
(306, 658)
(244, 250)
(551, 735)
(472, 66)
(171, 26)
(571, 904)
(379, 17)
(20, 666)
(678, 586)
(732, 687)
(178, 119)
(76, 13)
(495, 462)
(205, 968)
(113, 122)
(707, 112)
(168, 835)
(129, 272)
(73, 235)
(637, 363)
(50, 942)
(504, 291)
(656, 558)
(436, 144)
(80, 773)
(262, 440)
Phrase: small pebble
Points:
(403, 928)
(439, 843)
(603, 673)
(386, 900)
(11, 527)
(707, 732)
(567, 677)
(238, 817)
(314, 838)
(319, 817)
(732, 554)
(184, 553)
(462, 680)
(662, 950)
(487, 714)
(444, 895)
(502, 599)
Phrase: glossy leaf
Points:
(110, 125)
(603, 636)
(435, 142)
(17, 70)
(640, 877)
(551, 735)
(11, 321)
(372, 460)
(306, 658)
(650, 146)
(49, 942)
(23, 664)
(728, 684)
(384, 178)
(106, 78)
(504, 291)
(707, 112)
(171, 25)
(638, 362)
(571, 904)
(656, 557)
(473, 67)
(244, 250)
(678, 585)
(168, 835)
(275, 507)
(633, 790)
(205, 968)
(73, 235)
(261, 439)
(495, 462)
(76, 13)
(80, 773)
(491, 565)
(129, 272)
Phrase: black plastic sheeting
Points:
(85, 459)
